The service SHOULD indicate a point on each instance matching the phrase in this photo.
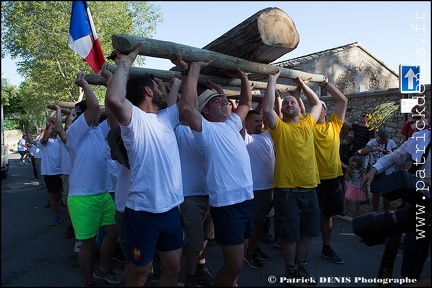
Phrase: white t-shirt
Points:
(51, 157)
(87, 147)
(37, 153)
(155, 170)
(21, 145)
(193, 163)
(66, 158)
(262, 159)
(122, 187)
(375, 155)
(229, 175)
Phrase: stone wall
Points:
(368, 100)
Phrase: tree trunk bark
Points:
(264, 37)
(168, 50)
(138, 72)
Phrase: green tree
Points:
(36, 32)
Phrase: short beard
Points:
(162, 104)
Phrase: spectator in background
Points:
(417, 123)
(22, 149)
(362, 135)
(377, 148)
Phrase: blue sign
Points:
(409, 79)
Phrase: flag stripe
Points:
(83, 38)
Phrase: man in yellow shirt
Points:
(327, 144)
(295, 177)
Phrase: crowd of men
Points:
(195, 168)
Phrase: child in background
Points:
(354, 192)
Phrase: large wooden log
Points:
(264, 37)
(162, 49)
(138, 72)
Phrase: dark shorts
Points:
(233, 223)
(53, 183)
(296, 213)
(330, 197)
(22, 153)
(197, 222)
(147, 232)
(261, 205)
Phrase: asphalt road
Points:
(33, 253)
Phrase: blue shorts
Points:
(261, 205)
(147, 232)
(233, 223)
(296, 213)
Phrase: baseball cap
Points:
(205, 97)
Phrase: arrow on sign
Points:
(410, 75)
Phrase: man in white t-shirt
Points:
(261, 152)
(229, 176)
(152, 219)
(89, 202)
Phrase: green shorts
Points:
(88, 213)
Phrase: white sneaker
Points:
(78, 245)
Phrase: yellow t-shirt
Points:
(295, 154)
(327, 143)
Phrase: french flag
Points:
(83, 38)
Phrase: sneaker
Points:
(78, 245)
(299, 262)
(292, 277)
(191, 281)
(331, 255)
(277, 243)
(260, 254)
(108, 276)
(253, 261)
(56, 220)
(205, 277)
(21, 163)
(302, 273)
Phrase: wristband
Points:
(325, 84)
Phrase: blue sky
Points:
(385, 29)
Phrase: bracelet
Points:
(185, 72)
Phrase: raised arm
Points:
(91, 114)
(338, 97)
(116, 91)
(171, 98)
(297, 94)
(58, 125)
(188, 98)
(245, 100)
(313, 100)
(270, 117)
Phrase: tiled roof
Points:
(294, 62)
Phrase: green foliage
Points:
(36, 32)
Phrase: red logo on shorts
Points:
(136, 253)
